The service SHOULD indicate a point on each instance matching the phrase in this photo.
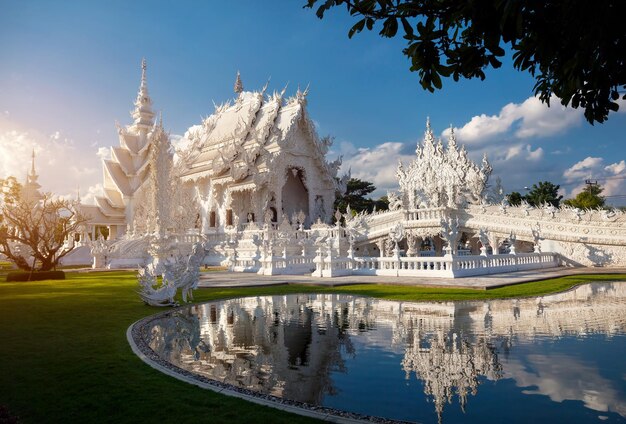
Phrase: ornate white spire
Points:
(143, 74)
(31, 186)
(238, 84)
(442, 176)
(143, 114)
(32, 168)
(160, 171)
(452, 138)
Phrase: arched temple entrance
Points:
(295, 195)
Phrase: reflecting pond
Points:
(557, 358)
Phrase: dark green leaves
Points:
(358, 27)
(575, 50)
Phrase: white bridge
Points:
(436, 242)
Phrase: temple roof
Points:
(240, 132)
(97, 217)
(116, 175)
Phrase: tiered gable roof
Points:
(127, 169)
(242, 137)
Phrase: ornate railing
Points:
(274, 265)
(443, 266)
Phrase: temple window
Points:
(212, 219)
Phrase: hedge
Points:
(35, 276)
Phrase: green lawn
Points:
(64, 355)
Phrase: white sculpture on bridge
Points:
(451, 234)
(442, 176)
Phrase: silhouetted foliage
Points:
(515, 198)
(355, 196)
(574, 49)
(544, 192)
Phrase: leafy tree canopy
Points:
(540, 194)
(544, 192)
(515, 198)
(355, 196)
(588, 199)
(574, 49)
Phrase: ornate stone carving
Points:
(183, 273)
(442, 176)
(450, 234)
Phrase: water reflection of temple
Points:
(290, 345)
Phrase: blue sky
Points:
(70, 69)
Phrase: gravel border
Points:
(135, 334)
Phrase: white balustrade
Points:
(444, 266)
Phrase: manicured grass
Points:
(64, 355)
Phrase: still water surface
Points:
(557, 358)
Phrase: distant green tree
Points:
(514, 198)
(355, 196)
(382, 204)
(544, 192)
(588, 199)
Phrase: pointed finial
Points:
(452, 137)
(78, 193)
(33, 163)
(266, 84)
(142, 114)
(428, 122)
(238, 84)
(143, 71)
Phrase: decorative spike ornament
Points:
(238, 84)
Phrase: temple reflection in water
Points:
(291, 346)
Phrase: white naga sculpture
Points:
(180, 274)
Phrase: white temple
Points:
(258, 155)
(252, 180)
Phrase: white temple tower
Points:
(128, 169)
(30, 191)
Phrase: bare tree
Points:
(36, 234)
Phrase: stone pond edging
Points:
(146, 354)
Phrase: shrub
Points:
(35, 276)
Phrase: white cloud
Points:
(562, 377)
(103, 153)
(534, 154)
(376, 164)
(531, 118)
(60, 164)
(616, 168)
(521, 151)
(611, 177)
(93, 191)
(583, 169)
